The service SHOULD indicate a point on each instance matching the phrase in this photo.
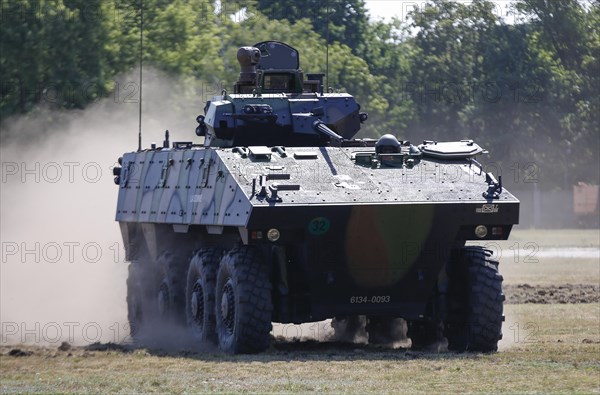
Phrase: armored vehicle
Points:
(281, 216)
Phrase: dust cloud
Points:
(346, 329)
(63, 272)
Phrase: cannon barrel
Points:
(320, 127)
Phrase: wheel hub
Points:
(194, 303)
(228, 306)
(197, 303)
(224, 306)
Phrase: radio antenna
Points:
(141, 60)
(327, 52)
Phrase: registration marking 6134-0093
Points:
(370, 299)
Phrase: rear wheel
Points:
(141, 306)
(170, 296)
(349, 328)
(475, 302)
(200, 294)
(424, 334)
(243, 302)
(135, 312)
(385, 330)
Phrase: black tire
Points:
(475, 302)
(141, 305)
(243, 302)
(349, 328)
(135, 310)
(171, 291)
(385, 330)
(200, 294)
(423, 334)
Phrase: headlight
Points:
(273, 235)
(481, 231)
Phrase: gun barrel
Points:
(319, 126)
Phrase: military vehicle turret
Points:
(281, 216)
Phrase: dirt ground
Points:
(549, 266)
(549, 348)
(550, 294)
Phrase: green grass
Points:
(546, 349)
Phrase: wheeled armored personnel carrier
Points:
(281, 216)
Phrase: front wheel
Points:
(243, 305)
(475, 302)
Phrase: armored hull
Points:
(367, 239)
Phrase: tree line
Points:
(526, 90)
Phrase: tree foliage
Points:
(344, 21)
(51, 51)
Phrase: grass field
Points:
(544, 257)
(547, 348)
(557, 237)
(550, 348)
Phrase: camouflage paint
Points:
(378, 240)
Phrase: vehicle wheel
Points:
(200, 294)
(171, 291)
(385, 330)
(475, 302)
(243, 302)
(135, 313)
(423, 334)
(141, 306)
(349, 328)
